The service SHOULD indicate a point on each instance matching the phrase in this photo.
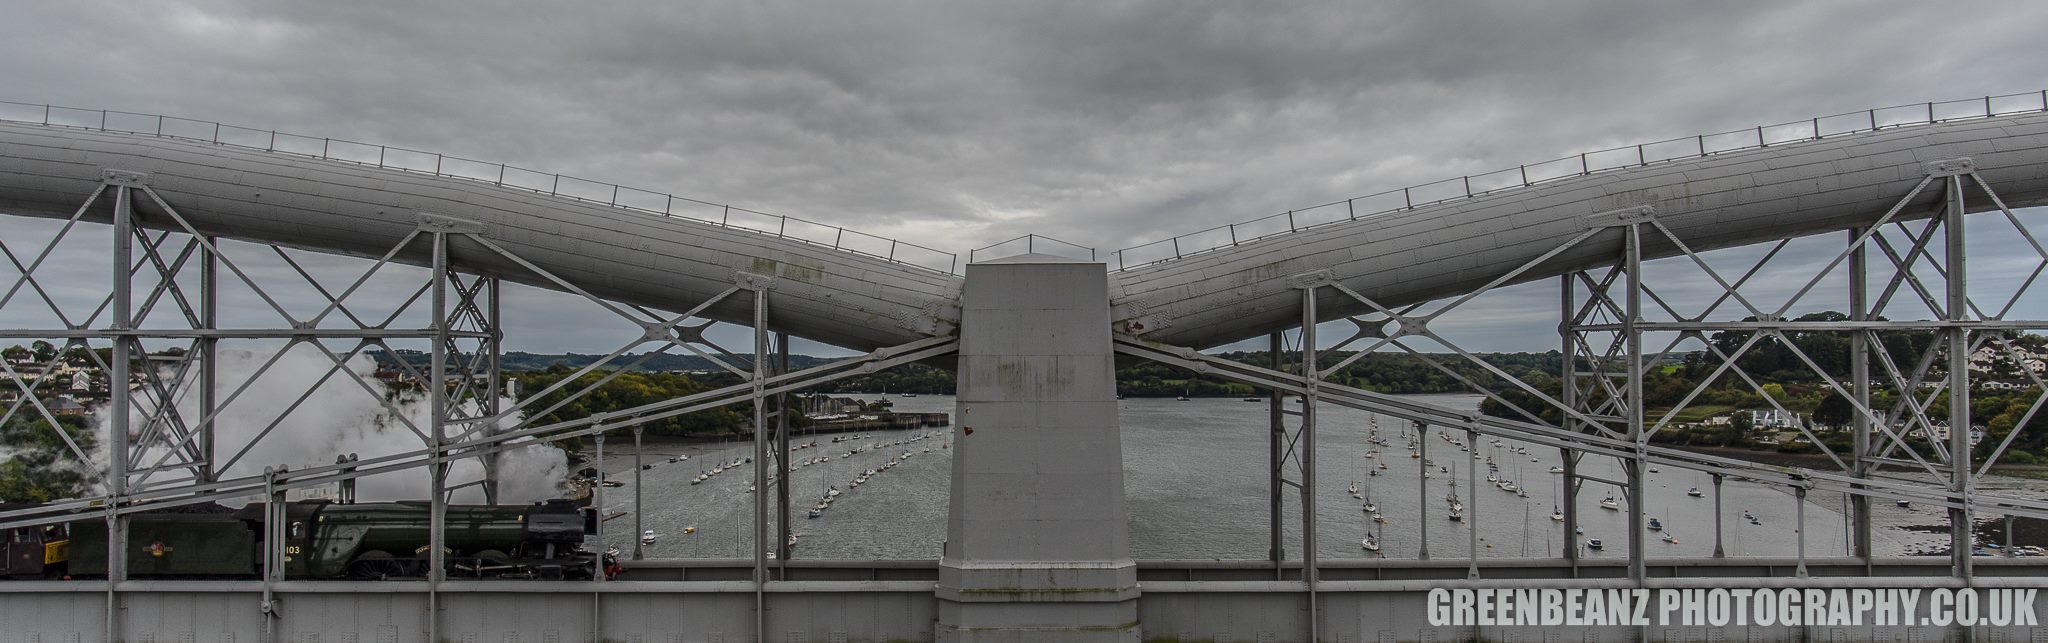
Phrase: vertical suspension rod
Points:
(1568, 373)
(1859, 374)
(1958, 311)
(639, 509)
(1311, 375)
(1472, 517)
(760, 399)
(782, 460)
(437, 471)
(1276, 439)
(121, 402)
(1422, 491)
(209, 356)
(1633, 329)
(494, 386)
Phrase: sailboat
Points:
(1610, 503)
(1457, 506)
(1556, 514)
(1354, 482)
(1370, 543)
(1184, 393)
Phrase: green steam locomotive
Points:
(366, 541)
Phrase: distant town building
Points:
(1773, 419)
(64, 406)
(1940, 433)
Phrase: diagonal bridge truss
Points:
(1618, 327)
(159, 331)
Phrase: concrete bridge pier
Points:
(1037, 542)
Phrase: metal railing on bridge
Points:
(1582, 164)
(499, 174)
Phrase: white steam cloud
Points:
(340, 416)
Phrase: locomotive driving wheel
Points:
(377, 565)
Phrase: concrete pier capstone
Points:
(1037, 542)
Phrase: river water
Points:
(1196, 482)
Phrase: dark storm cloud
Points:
(955, 125)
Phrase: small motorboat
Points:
(1557, 469)
(1905, 503)
(1594, 544)
(1694, 492)
(689, 530)
(1656, 525)
(1254, 399)
(648, 537)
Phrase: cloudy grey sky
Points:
(955, 125)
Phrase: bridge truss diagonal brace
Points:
(1961, 324)
(463, 336)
